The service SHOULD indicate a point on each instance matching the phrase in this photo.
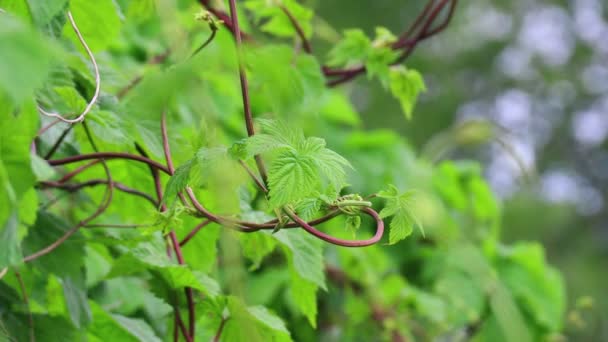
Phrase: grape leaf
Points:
(399, 206)
(352, 49)
(406, 85)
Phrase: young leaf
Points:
(177, 182)
(399, 207)
(352, 49)
(406, 85)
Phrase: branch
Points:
(193, 232)
(340, 242)
(298, 28)
(109, 156)
(58, 143)
(105, 203)
(94, 182)
(172, 235)
(97, 80)
(244, 86)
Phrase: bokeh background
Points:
(538, 71)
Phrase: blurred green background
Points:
(538, 70)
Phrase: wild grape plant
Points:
(95, 244)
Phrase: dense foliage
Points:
(143, 202)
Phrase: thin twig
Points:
(305, 43)
(340, 242)
(244, 85)
(220, 329)
(113, 225)
(193, 232)
(105, 203)
(172, 235)
(257, 181)
(78, 170)
(57, 143)
(109, 156)
(97, 80)
(94, 182)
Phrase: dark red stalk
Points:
(193, 232)
(172, 235)
(244, 86)
(78, 170)
(109, 156)
(102, 207)
(220, 329)
(58, 142)
(95, 182)
(340, 242)
(305, 43)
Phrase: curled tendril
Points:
(90, 105)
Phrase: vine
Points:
(295, 177)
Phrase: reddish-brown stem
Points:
(345, 75)
(220, 329)
(95, 182)
(158, 59)
(113, 225)
(109, 156)
(105, 202)
(172, 236)
(305, 43)
(244, 85)
(419, 19)
(340, 242)
(255, 179)
(193, 232)
(179, 323)
(26, 300)
(77, 171)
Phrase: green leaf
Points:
(108, 327)
(302, 165)
(508, 317)
(305, 253)
(291, 85)
(252, 324)
(76, 302)
(10, 253)
(352, 49)
(276, 22)
(378, 63)
(399, 206)
(44, 11)
(538, 288)
(152, 256)
(256, 247)
(406, 85)
(41, 168)
(97, 21)
(304, 294)
(264, 316)
(48, 229)
(25, 60)
(338, 109)
(178, 182)
(291, 177)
